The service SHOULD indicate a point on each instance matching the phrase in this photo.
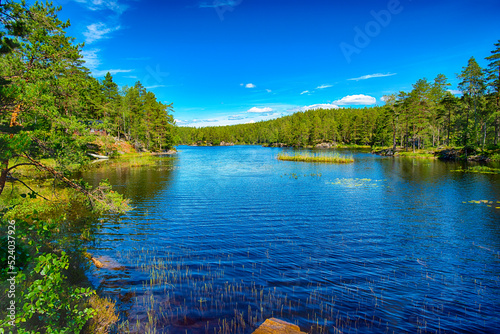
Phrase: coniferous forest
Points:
(49, 101)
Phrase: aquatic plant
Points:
(357, 182)
(479, 169)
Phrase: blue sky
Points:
(238, 61)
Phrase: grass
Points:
(309, 157)
(418, 154)
(352, 146)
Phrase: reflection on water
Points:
(222, 238)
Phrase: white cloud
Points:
(305, 92)
(369, 76)
(91, 59)
(359, 99)
(260, 110)
(155, 86)
(235, 118)
(220, 3)
(324, 86)
(104, 4)
(268, 90)
(100, 73)
(92, 62)
(455, 91)
(250, 121)
(97, 31)
(320, 106)
(250, 85)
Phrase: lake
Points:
(222, 238)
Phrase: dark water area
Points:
(222, 238)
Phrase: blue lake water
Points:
(222, 238)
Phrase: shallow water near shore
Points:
(222, 238)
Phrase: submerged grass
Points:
(479, 169)
(309, 157)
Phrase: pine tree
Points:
(41, 81)
(493, 78)
(473, 87)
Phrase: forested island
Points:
(53, 113)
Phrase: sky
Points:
(226, 62)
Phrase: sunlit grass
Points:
(425, 154)
(310, 157)
(353, 146)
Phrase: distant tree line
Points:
(427, 116)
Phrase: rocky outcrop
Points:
(324, 145)
(277, 326)
(223, 143)
(275, 145)
(449, 154)
(104, 262)
(468, 154)
(478, 158)
(386, 153)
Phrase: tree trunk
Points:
(476, 139)
(407, 135)
(413, 139)
(3, 174)
(497, 131)
(484, 135)
(466, 129)
(449, 127)
(393, 135)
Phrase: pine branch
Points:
(93, 199)
(36, 193)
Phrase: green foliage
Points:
(9, 146)
(51, 301)
(47, 301)
(49, 305)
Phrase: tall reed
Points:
(314, 157)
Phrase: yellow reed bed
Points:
(310, 157)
